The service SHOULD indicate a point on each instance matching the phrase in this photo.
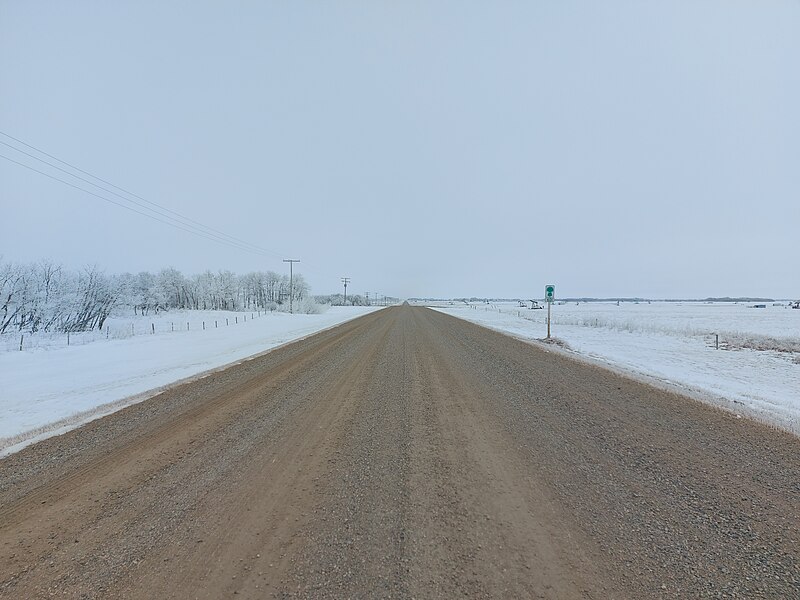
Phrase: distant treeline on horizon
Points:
(720, 299)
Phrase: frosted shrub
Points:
(740, 341)
(308, 306)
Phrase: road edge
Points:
(32, 436)
(705, 397)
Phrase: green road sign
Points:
(549, 293)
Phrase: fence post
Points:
(187, 325)
(236, 319)
(716, 341)
(226, 321)
(215, 325)
(22, 337)
(153, 327)
(204, 325)
(68, 338)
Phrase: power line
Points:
(199, 233)
(94, 184)
(179, 221)
(189, 222)
(161, 209)
(116, 187)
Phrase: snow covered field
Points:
(50, 387)
(756, 371)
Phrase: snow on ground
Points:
(755, 372)
(50, 387)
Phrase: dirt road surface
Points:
(406, 454)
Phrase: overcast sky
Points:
(420, 148)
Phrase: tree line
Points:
(340, 300)
(45, 296)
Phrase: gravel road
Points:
(406, 454)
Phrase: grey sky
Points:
(445, 148)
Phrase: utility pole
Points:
(345, 281)
(291, 262)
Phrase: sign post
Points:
(549, 297)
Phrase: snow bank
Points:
(51, 387)
(756, 371)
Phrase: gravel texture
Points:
(406, 454)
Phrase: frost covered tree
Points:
(94, 297)
(173, 288)
(46, 297)
(12, 284)
(300, 288)
(338, 300)
(147, 294)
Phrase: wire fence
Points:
(121, 329)
(719, 340)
